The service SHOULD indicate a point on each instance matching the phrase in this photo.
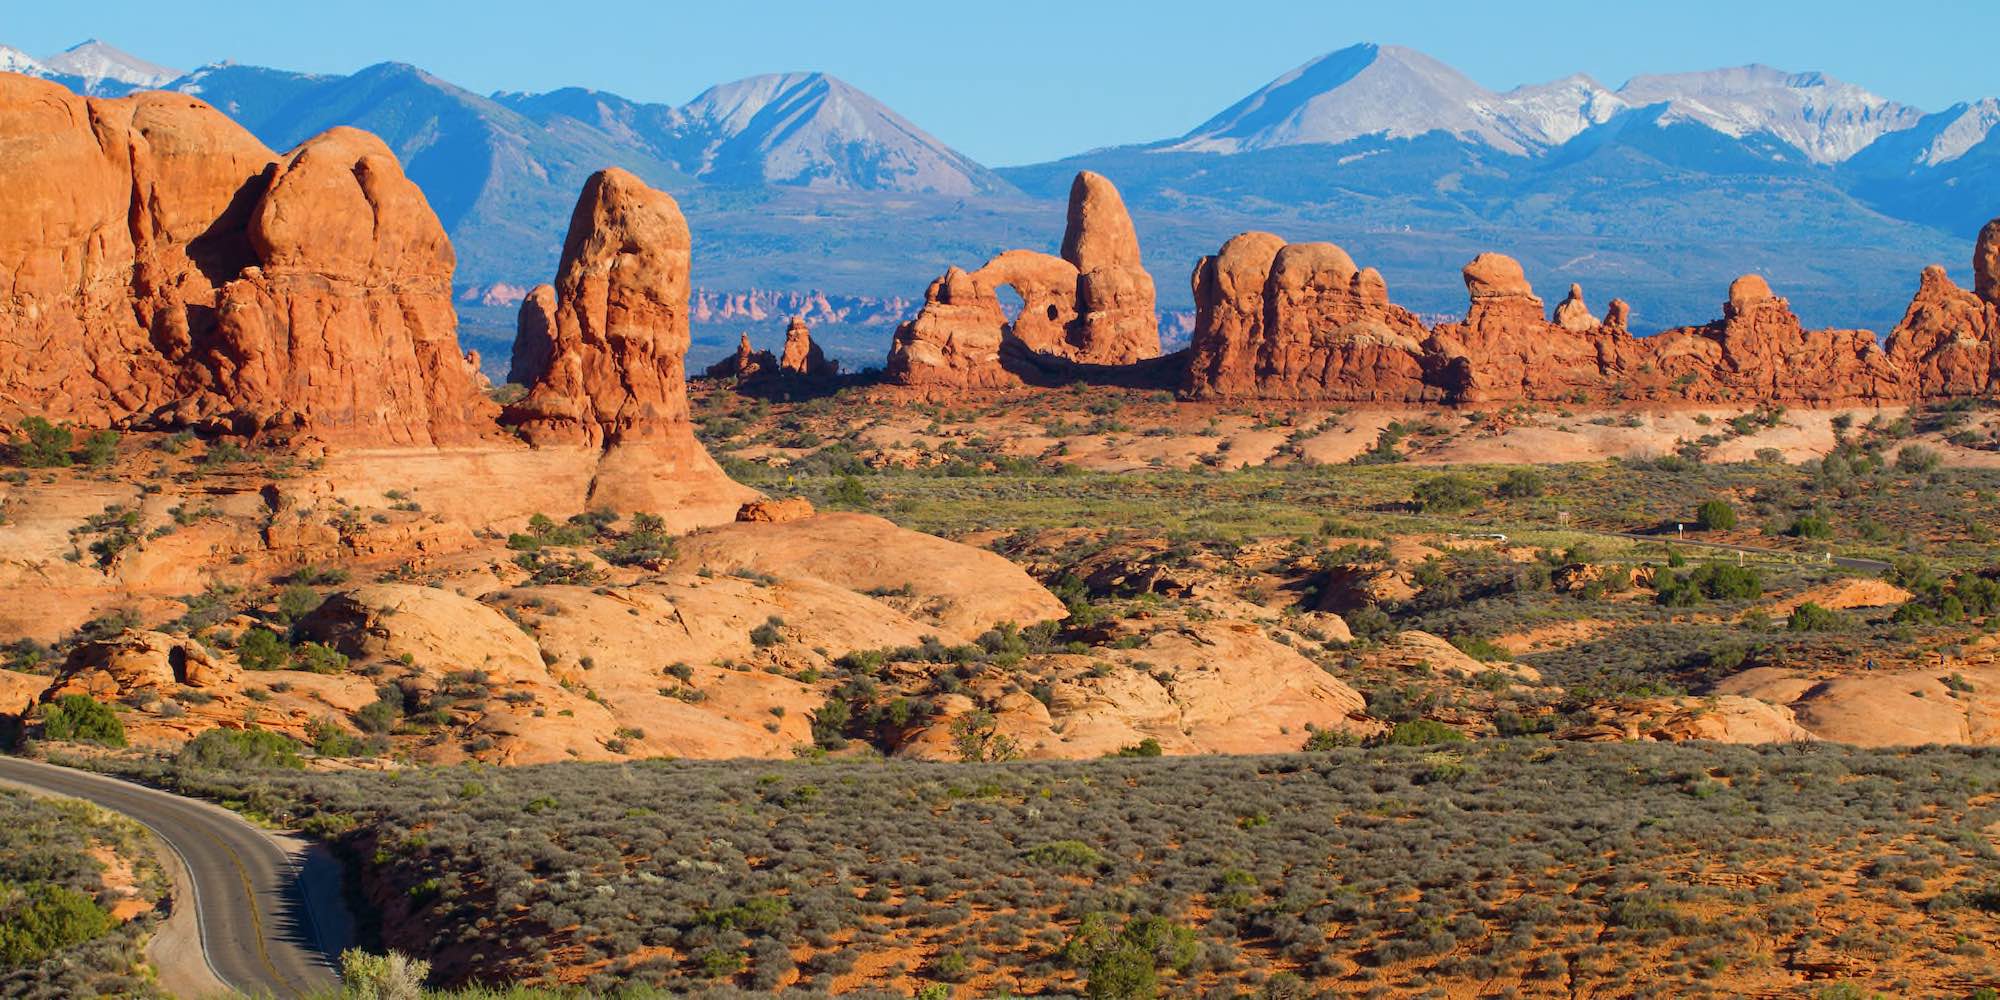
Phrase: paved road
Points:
(257, 927)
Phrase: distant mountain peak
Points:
(95, 62)
(1394, 93)
(13, 60)
(815, 130)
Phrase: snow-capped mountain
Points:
(1397, 93)
(13, 60)
(95, 62)
(1363, 90)
(1826, 119)
(816, 131)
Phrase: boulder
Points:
(775, 511)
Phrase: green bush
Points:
(1450, 493)
(1810, 526)
(1521, 484)
(263, 649)
(241, 749)
(41, 920)
(1715, 515)
(83, 719)
(1810, 617)
(1421, 733)
(41, 445)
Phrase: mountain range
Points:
(1659, 190)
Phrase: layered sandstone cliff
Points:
(1094, 305)
(159, 266)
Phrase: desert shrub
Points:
(393, 976)
(1521, 484)
(100, 448)
(1420, 733)
(1148, 747)
(82, 719)
(1810, 617)
(241, 749)
(1810, 526)
(263, 649)
(1715, 515)
(1450, 493)
(1715, 581)
(40, 444)
(41, 920)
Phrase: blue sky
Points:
(1032, 80)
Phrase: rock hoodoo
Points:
(1507, 349)
(159, 266)
(1572, 314)
(802, 356)
(746, 363)
(1093, 305)
(616, 378)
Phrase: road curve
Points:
(257, 924)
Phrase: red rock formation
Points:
(802, 356)
(1300, 321)
(346, 331)
(1047, 320)
(1116, 321)
(1093, 305)
(1506, 350)
(1759, 352)
(152, 269)
(954, 342)
(1986, 262)
(1229, 315)
(621, 328)
(534, 336)
(616, 378)
(746, 363)
(1573, 315)
(1949, 338)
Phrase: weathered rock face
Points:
(160, 265)
(954, 341)
(1116, 321)
(356, 277)
(616, 375)
(1986, 262)
(802, 356)
(534, 336)
(1093, 305)
(746, 363)
(1573, 314)
(1300, 321)
(1759, 351)
(1506, 349)
(616, 369)
(1947, 338)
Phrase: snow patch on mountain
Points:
(95, 62)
